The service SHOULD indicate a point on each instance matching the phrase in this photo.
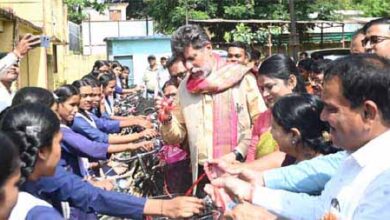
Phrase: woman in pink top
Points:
(278, 76)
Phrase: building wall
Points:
(105, 15)
(76, 66)
(31, 10)
(38, 68)
(30, 73)
(134, 53)
(94, 33)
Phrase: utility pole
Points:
(294, 38)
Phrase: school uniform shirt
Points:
(109, 105)
(118, 85)
(29, 207)
(94, 128)
(358, 190)
(75, 146)
(66, 186)
(96, 112)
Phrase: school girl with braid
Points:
(43, 184)
(35, 130)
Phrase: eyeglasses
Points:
(238, 56)
(180, 75)
(374, 39)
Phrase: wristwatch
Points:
(239, 156)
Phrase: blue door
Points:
(127, 61)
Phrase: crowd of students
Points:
(297, 140)
(56, 136)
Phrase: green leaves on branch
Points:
(245, 34)
(239, 11)
(374, 8)
(76, 8)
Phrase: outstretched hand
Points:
(234, 186)
(164, 108)
(182, 207)
(246, 211)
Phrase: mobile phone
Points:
(45, 41)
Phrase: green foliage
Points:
(170, 14)
(76, 12)
(244, 34)
(239, 11)
(374, 8)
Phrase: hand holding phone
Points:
(26, 43)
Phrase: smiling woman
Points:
(278, 76)
(68, 101)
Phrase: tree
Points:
(170, 14)
(76, 8)
(374, 8)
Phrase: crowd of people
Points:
(262, 139)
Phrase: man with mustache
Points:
(216, 105)
(377, 37)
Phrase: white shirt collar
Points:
(375, 151)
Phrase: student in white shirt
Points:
(357, 107)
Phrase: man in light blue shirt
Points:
(309, 176)
(356, 105)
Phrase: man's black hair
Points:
(239, 44)
(319, 66)
(363, 77)
(369, 24)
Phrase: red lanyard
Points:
(189, 191)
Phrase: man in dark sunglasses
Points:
(377, 37)
(176, 70)
(238, 53)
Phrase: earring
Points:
(293, 142)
